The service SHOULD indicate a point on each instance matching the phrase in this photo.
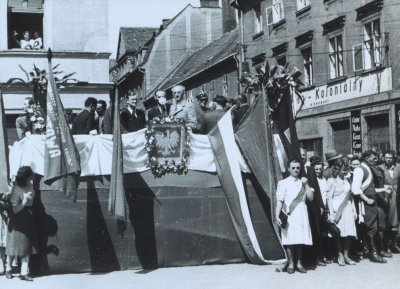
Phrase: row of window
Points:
(366, 55)
(275, 13)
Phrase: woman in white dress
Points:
(296, 233)
(342, 212)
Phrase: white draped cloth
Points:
(95, 153)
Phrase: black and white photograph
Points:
(199, 144)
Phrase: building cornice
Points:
(56, 54)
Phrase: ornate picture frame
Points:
(167, 146)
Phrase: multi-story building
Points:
(212, 70)
(346, 51)
(190, 30)
(77, 33)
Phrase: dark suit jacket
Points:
(83, 123)
(156, 112)
(131, 123)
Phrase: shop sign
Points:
(352, 87)
(356, 138)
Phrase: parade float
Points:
(158, 197)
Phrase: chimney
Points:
(209, 3)
(165, 22)
(228, 16)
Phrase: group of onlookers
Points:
(346, 211)
(200, 115)
(27, 42)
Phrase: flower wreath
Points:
(35, 122)
(156, 168)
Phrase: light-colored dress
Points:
(338, 189)
(3, 228)
(298, 230)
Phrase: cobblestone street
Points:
(236, 276)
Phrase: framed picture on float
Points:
(167, 146)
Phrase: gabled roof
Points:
(205, 58)
(132, 38)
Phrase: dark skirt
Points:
(22, 236)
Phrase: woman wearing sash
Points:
(291, 195)
(342, 212)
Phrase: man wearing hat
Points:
(333, 159)
(182, 108)
(201, 110)
(212, 117)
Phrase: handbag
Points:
(333, 229)
(283, 217)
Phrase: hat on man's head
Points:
(332, 155)
(202, 96)
(315, 160)
(221, 100)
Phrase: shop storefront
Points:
(351, 115)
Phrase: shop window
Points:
(275, 13)
(225, 86)
(257, 19)
(335, 56)
(212, 88)
(341, 136)
(378, 132)
(312, 146)
(25, 16)
(301, 4)
(307, 66)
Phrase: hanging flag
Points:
(284, 129)
(227, 156)
(61, 167)
(4, 171)
(116, 199)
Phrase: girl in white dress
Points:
(342, 212)
(297, 232)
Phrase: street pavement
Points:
(365, 275)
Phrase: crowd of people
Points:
(341, 212)
(200, 116)
(27, 42)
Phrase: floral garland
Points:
(156, 168)
(35, 122)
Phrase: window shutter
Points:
(358, 57)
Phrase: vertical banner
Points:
(397, 111)
(61, 164)
(356, 136)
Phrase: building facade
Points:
(212, 70)
(346, 52)
(77, 33)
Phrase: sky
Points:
(141, 13)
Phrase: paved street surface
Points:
(365, 275)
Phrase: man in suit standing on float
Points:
(132, 119)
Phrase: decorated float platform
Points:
(172, 219)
